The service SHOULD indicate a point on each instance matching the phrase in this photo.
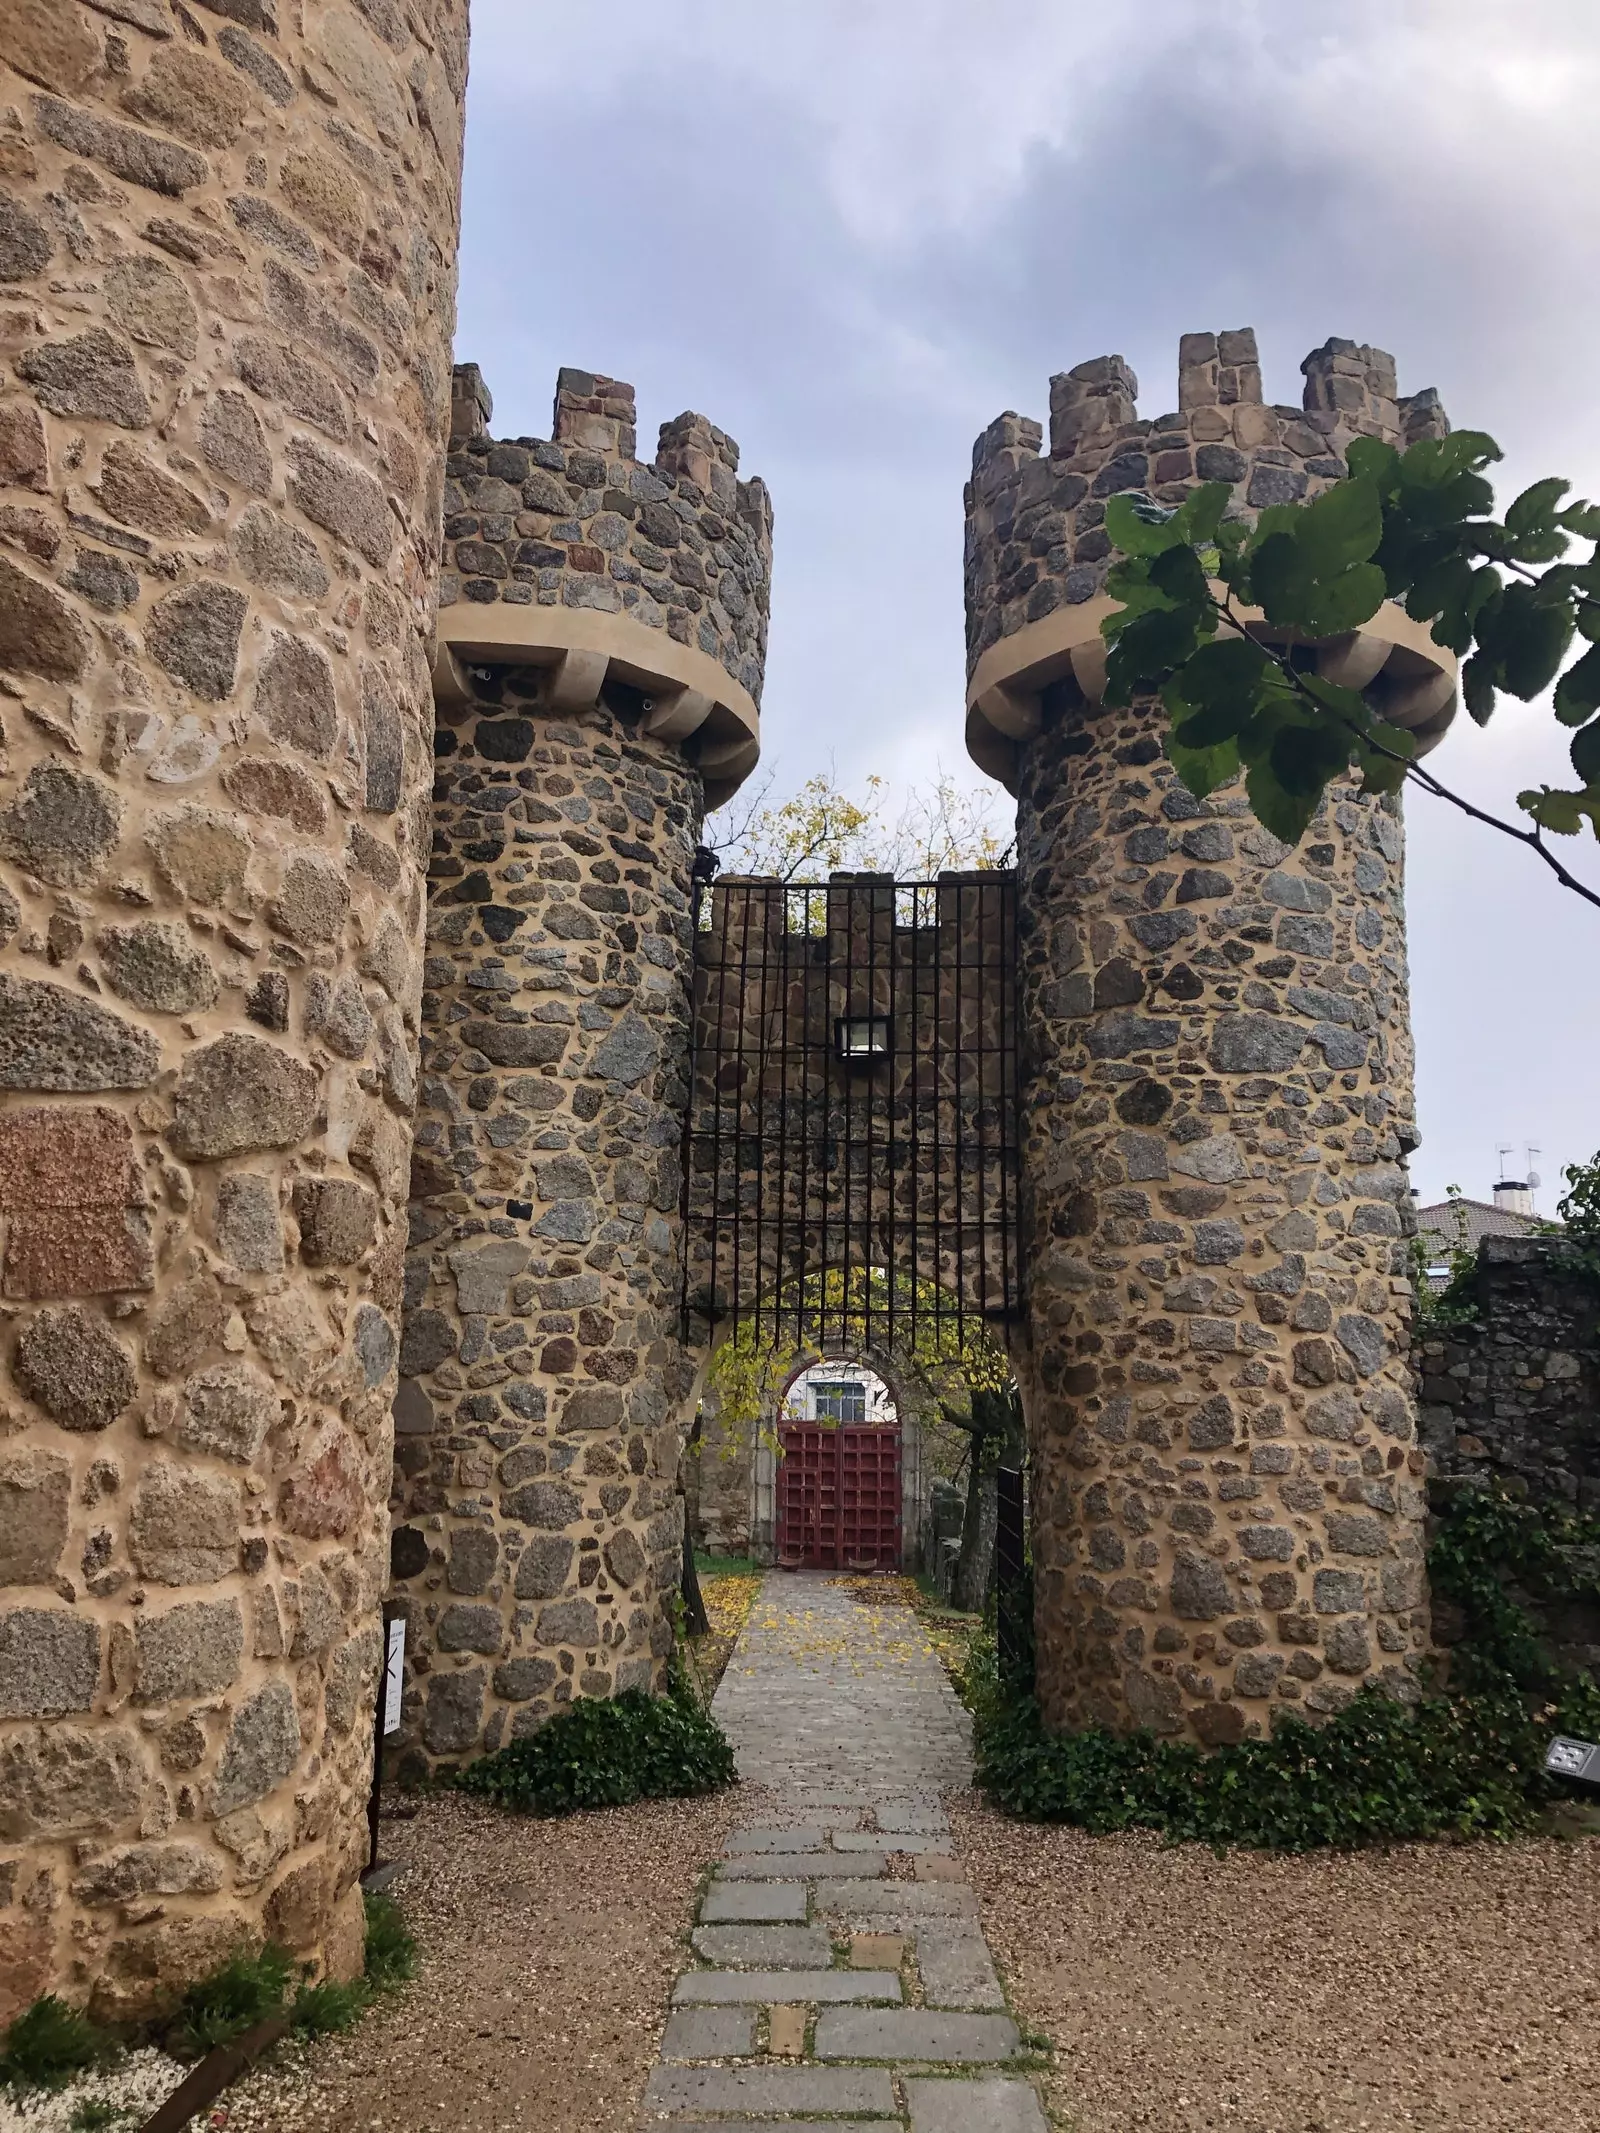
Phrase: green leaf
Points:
(1478, 686)
(1148, 650)
(1342, 527)
(1231, 668)
(1304, 758)
(1200, 514)
(1535, 508)
(1583, 519)
(1526, 640)
(1585, 753)
(1204, 769)
(1345, 602)
(1286, 814)
(1281, 579)
(1561, 812)
(1370, 459)
(1589, 620)
(1348, 705)
(1131, 527)
(1178, 573)
(1578, 691)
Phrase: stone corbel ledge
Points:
(1408, 678)
(693, 700)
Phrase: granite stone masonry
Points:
(1217, 1102)
(538, 1524)
(227, 249)
(1511, 1397)
(577, 523)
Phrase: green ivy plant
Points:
(608, 1753)
(1465, 1761)
(1413, 527)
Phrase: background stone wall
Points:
(1217, 1104)
(227, 251)
(538, 1530)
(1514, 1395)
(681, 545)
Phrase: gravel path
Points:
(1432, 1987)
(548, 1950)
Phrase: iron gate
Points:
(850, 1147)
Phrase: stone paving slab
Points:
(853, 1728)
(953, 1959)
(897, 1899)
(914, 2033)
(778, 1840)
(925, 1818)
(710, 2033)
(766, 1947)
(872, 1840)
(763, 1987)
(974, 2107)
(771, 2125)
(831, 2090)
(754, 1902)
(794, 1866)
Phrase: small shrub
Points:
(94, 2116)
(47, 2044)
(330, 2008)
(251, 1985)
(391, 1950)
(608, 1754)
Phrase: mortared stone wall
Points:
(1217, 1107)
(227, 273)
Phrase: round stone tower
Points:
(1217, 1098)
(602, 638)
(227, 244)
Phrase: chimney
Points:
(1513, 1196)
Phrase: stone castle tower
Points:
(227, 280)
(623, 605)
(1217, 1097)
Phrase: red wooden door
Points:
(839, 1497)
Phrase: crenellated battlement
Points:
(1037, 550)
(569, 551)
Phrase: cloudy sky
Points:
(852, 231)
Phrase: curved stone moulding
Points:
(691, 698)
(1408, 678)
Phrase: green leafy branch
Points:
(1245, 694)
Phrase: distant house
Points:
(1461, 1225)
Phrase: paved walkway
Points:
(842, 1980)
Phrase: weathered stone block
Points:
(185, 1525)
(74, 1369)
(193, 1650)
(262, 1747)
(49, 1662)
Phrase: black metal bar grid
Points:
(851, 1144)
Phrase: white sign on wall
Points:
(394, 1667)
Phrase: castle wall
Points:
(538, 1528)
(227, 244)
(1511, 1397)
(1513, 1394)
(1217, 1105)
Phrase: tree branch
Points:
(1533, 838)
